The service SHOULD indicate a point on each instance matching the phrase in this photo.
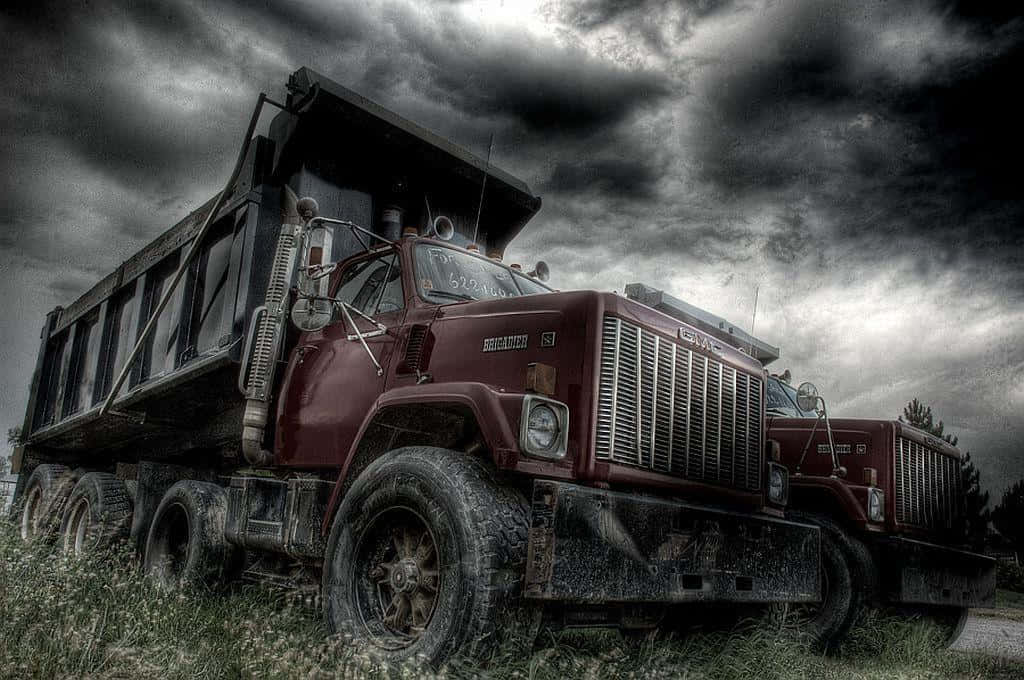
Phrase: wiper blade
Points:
(450, 295)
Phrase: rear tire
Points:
(426, 559)
(44, 498)
(186, 543)
(97, 513)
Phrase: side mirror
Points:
(807, 397)
(311, 314)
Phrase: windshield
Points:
(782, 400)
(447, 275)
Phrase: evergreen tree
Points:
(976, 513)
(1008, 517)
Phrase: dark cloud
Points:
(655, 22)
(628, 178)
(897, 141)
(549, 90)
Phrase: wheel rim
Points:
(397, 579)
(76, 537)
(30, 515)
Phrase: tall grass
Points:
(98, 617)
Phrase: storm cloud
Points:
(855, 164)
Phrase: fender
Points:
(808, 488)
(491, 408)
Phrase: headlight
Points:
(778, 484)
(544, 429)
(876, 505)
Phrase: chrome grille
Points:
(928, 486)
(668, 409)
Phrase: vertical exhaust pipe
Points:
(267, 333)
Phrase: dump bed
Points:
(360, 161)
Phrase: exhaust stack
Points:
(268, 330)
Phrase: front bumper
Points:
(592, 546)
(916, 572)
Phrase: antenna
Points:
(753, 318)
(483, 185)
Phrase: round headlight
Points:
(876, 505)
(776, 485)
(542, 427)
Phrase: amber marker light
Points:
(540, 378)
(870, 477)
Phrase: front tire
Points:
(949, 621)
(426, 558)
(848, 585)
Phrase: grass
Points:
(97, 617)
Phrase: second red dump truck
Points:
(355, 394)
(889, 500)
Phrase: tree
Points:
(976, 513)
(1008, 515)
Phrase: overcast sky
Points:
(858, 163)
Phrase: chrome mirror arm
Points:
(837, 469)
(362, 340)
(807, 445)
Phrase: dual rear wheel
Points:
(82, 511)
(88, 511)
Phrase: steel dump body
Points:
(343, 150)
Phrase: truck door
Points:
(331, 381)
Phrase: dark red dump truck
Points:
(352, 392)
(888, 498)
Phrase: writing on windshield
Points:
(449, 275)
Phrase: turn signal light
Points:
(540, 378)
(870, 477)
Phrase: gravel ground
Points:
(992, 636)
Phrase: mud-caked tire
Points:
(43, 500)
(426, 559)
(97, 514)
(849, 586)
(186, 545)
